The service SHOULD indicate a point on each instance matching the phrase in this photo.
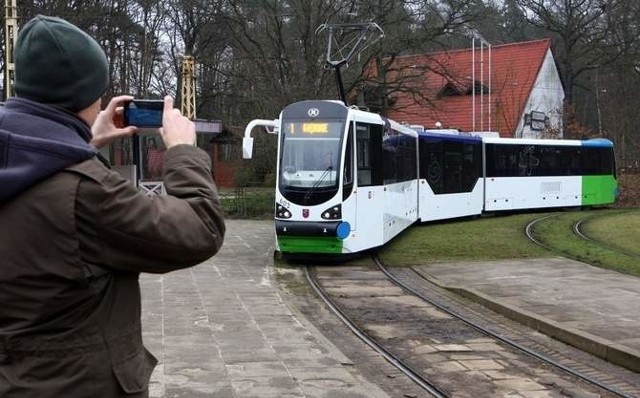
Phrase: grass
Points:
(617, 229)
(486, 238)
(601, 225)
(503, 237)
(248, 203)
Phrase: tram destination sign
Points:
(312, 128)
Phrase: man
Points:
(74, 235)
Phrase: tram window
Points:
(598, 161)
(546, 160)
(551, 160)
(399, 161)
(408, 158)
(363, 139)
(450, 166)
(509, 160)
(369, 154)
(471, 166)
(390, 149)
(575, 163)
(363, 154)
(348, 158)
(431, 164)
(375, 130)
(606, 161)
(347, 177)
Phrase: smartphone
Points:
(143, 113)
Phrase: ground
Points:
(629, 190)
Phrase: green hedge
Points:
(248, 203)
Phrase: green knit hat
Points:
(58, 64)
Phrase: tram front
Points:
(312, 175)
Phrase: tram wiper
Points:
(318, 181)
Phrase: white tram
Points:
(350, 180)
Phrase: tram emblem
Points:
(313, 112)
(305, 213)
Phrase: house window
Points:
(455, 89)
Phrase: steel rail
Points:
(578, 231)
(495, 335)
(391, 358)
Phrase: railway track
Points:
(422, 381)
(577, 230)
(449, 346)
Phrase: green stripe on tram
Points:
(598, 190)
(309, 244)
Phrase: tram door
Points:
(349, 199)
(369, 178)
(368, 154)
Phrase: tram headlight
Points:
(282, 212)
(332, 213)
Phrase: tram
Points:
(349, 180)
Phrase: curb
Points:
(597, 346)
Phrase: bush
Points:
(248, 203)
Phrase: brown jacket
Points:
(71, 250)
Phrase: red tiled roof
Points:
(514, 68)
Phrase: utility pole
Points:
(10, 36)
(482, 45)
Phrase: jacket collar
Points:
(37, 141)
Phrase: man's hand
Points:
(176, 129)
(104, 129)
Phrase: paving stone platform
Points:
(221, 329)
(594, 309)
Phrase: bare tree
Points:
(413, 26)
(277, 56)
(197, 29)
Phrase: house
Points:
(513, 89)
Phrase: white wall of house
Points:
(543, 109)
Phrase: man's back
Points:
(74, 235)
(63, 300)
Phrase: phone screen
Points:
(143, 113)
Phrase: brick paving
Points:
(222, 329)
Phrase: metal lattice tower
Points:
(10, 36)
(188, 87)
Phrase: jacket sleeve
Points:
(122, 228)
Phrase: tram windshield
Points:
(310, 159)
